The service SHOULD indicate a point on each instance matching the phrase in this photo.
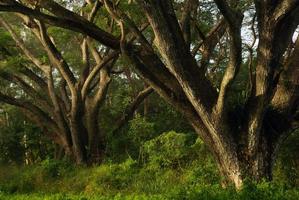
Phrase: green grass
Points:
(77, 197)
(56, 180)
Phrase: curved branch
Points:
(106, 60)
(28, 106)
(22, 46)
(131, 108)
(77, 24)
(234, 20)
(40, 100)
(56, 57)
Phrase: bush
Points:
(117, 176)
(167, 150)
(18, 180)
(130, 139)
(140, 130)
(52, 168)
(107, 178)
(204, 174)
(286, 169)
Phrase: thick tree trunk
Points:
(256, 168)
(234, 161)
(261, 164)
(77, 148)
(95, 140)
(78, 131)
(96, 143)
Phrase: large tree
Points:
(181, 48)
(62, 96)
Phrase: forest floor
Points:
(56, 180)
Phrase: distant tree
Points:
(175, 56)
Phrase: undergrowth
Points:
(171, 167)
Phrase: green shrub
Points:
(118, 176)
(52, 168)
(167, 150)
(204, 174)
(130, 139)
(286, 169)
(18, 180)
(140, 130)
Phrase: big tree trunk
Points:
(236, 163)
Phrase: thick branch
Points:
(56, 58)
(235, 61)
(22, 46)
(284, 8)
(189, 8)
(58, 112)
(40, 100)
(287, 93)
(231, 16)
(28, 106)
(131, 108)
(172, 47)
(234, 20)
(106, 60)
(209, 43)
(81, 26)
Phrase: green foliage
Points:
(165, 117)
(287, 165)
(20, 139)
(65, 196)
(204, 172)
(52, 168)
(117, 176)
(101, 183)
(168, 149)
(131, 138)
(140, 129)
(5, 38)
(13, 180)
(196, 179)
(13, 64)
(264, 191)
(11, 149)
